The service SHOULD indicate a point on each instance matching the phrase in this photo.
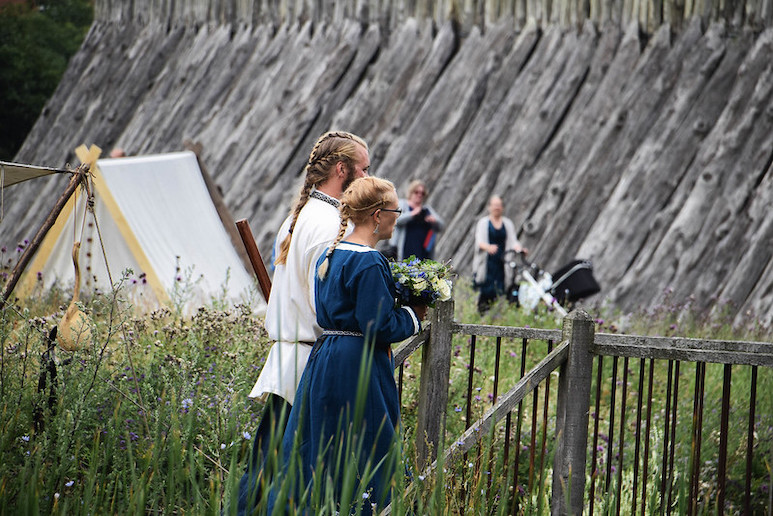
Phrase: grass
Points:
(152, 416)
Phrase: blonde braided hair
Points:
(331, 147)
(357, 204)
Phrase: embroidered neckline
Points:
(324, 198)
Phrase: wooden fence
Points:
(665, 471)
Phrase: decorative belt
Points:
(343, 333)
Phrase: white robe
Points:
(291, 317)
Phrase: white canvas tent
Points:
(155, 216)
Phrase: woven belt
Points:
(343, 333)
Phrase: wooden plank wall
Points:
(650, 14)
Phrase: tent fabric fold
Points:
(12, 173)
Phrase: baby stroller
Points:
(530, 283)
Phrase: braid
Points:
(322, 269)
(330, 148)
(284, 247)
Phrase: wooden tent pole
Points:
(79, 176)
(257, 262)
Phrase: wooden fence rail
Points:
(579, 347)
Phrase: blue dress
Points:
(356, 308)
(494, 285)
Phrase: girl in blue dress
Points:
(346, 412)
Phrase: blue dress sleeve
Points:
(375, 309)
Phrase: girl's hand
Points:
(421, 311)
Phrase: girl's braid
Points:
(322, 269)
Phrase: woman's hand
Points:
(492, 249)
(521, 249)
(420, 310)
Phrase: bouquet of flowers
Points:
(421, 282)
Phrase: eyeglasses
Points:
(420, 192)
(399, 211)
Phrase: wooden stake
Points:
(257, 262)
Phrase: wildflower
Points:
(421, 477)
(25, 438)
(187, 403)
(365, 496)
(246, 435)
(70, 483)
(469, 465)
(222, 446)
(56, 496)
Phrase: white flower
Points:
(246, 435)
(444, 288)
(421, 285)
(69, 484)
(222, 446)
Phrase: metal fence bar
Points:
(471, 366)
(496, 370)
(697, 435)
(672, 440)
(636, 457)
(747, 504)
(493, 402)
(518, 432)
(645, 467)
(594, 453)
(533, 436)
(611, 429)
(723, 430)
(666, 435)
(621, 446)
(543, 442)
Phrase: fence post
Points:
(433, 387)
(572, 411)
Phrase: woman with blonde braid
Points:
(337, 159)
(355, 300)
